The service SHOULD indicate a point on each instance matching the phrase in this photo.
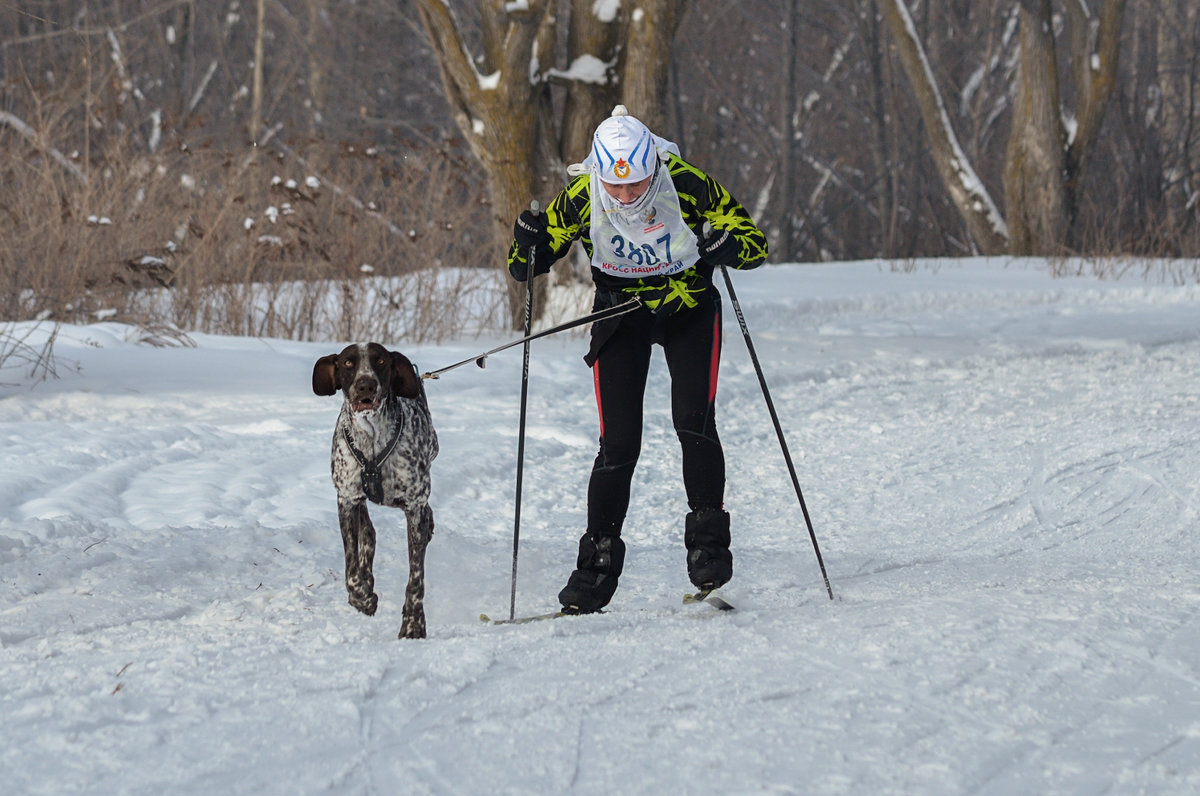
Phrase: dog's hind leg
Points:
(420, 531)
(358, 538)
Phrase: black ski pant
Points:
(691, 340)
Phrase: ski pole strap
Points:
(599, 315)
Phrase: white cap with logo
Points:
(624, 150)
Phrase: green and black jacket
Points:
(701, 198)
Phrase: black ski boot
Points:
(594, 580)
(706, 534)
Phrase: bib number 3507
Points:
(644, 254)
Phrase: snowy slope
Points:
(1002, 471)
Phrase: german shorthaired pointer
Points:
(383, 445)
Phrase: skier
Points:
(640, 211)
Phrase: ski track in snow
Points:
(1001, 469)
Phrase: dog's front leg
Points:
(358, 538)
(420, 531)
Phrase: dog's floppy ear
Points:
(325, 375)
(405, 381)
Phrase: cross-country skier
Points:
(640, 211)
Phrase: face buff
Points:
(646, 238)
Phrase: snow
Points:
(489, 82)
(584, 69)
(606, 10)
(1001, 469)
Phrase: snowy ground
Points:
(1002, 470)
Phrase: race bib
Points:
(652, 241)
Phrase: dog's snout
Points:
(366, 384)
(364, 389)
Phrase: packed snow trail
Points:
(1001, 468)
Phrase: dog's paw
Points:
(412, 627)
(367, 604)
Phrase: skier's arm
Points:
(736, 241)
(562, 225)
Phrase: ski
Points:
(520, 620)
(707, 597)
(688, 599)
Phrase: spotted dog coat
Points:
(383, 444)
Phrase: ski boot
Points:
(706, 535)
(594, 580)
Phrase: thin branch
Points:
(31, 134)
(349, 197)
(99, 31)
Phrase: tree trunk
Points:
(256, 90)
(588, 103)
(646, 64)
(1178, 84)
(1035, 163)
(502, 106)
(495, 109)
(1095, 53)
(316, 66)
(785, 213)
(983, 221)
(882, 152)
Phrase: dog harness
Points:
(372, 474)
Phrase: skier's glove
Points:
(530, 232)
(519, 269)
(722, 248)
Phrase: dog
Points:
(383, 446)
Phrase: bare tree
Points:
(984, 221)
(1177, 90)
(500, 97)
(789, 109)
(494, 96)
(1046, 158)
(256, 90)
(808, 120)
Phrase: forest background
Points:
(257, 167)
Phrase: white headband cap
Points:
(623, 149)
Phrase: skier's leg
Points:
(620, 380)
(693, 347)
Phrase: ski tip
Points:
(719, 603)
(707, 596)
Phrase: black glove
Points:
(519, 269)
(530, 230)
(722, 248)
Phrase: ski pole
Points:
(737, 308)
(512, 603)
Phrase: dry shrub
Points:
(1161, 252)
(31, 348)
(303, 240)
